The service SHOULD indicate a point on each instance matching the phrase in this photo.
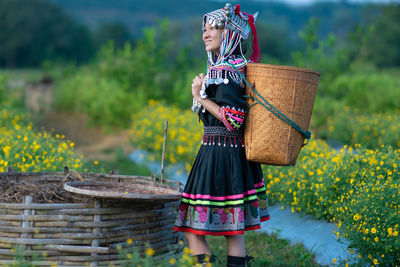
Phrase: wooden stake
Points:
(163, 151)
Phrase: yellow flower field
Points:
(25, 150)
(356, 187)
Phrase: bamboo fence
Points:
(84, 231)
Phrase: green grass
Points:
(268, 250)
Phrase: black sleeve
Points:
(230, 97)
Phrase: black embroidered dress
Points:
(224, 193)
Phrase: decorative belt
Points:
(215, 135)
(216, 130)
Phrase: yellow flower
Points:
(6, 150)
(334, 260)
(129, 241)
(373, 230)
(375, 261)
(186, 250)
(129, 256)
(395, 233)
(95, 162)
(390, 231)
(150, 252)
(376, 239)
(172, 261)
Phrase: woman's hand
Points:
(196, 85)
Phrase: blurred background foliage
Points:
(107, 60)
(74, 30)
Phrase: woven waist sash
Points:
(221, 136)
(216, 130)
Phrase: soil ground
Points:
(91, 142)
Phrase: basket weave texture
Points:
(291, 90)
(86, 230)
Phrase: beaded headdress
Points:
(235, 26)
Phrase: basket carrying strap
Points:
(261, 100)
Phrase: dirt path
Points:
(91, 142)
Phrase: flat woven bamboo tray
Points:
(42, 223)
(111, 190)
(292, 91)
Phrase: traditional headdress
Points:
(235, 26)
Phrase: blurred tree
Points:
(33, 31)
(273, 43)
(115, 31)
(379, 42)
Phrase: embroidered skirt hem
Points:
(224, 194)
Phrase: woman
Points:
(225, 193)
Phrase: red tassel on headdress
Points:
(237, 9)
(255, 55)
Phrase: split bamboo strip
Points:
(57, 206)
(80, 249)
(36, 218)
(11, 252)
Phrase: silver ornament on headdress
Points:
(225, 19)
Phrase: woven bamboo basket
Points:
(291, 90)
(74, 230)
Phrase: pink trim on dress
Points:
(238, 196)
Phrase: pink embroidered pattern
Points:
(231, 117)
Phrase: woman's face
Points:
(212, 38)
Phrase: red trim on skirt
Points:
(264, 219)
(239, 232)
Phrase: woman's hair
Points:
(244, 44)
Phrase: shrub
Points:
(371, 92)
(355, 187)
(121, 81)
(324, 107)
(3, 85)
(372, 131)
(368, 214)
(24, 150)
(104, 100)
(184, 132)
(309, 186)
